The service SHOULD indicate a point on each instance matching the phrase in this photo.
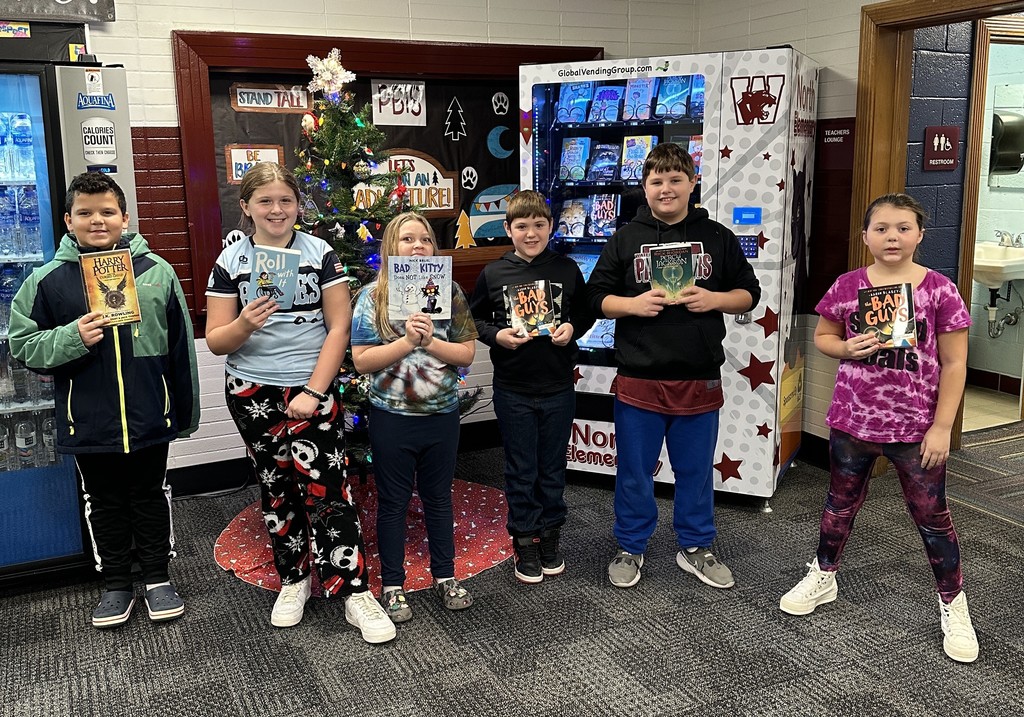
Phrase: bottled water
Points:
(5, 445)
(6, 388)
(50, 440)
(8, 219)
(28, 218)
(25, 442)
(22, 153)
(8, 288)
(21, 377)
(45, 387)
(6, 170)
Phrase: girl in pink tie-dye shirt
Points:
(899, 403)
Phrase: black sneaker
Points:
(528, 567)
(551, 561)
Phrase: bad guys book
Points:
(531, 309)
(888, 312)
(604, 212)
(275, 273)
(108, 279)
(419, 284)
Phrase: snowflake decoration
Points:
(267, 477)
(333, 533)
(259, 410)
(336, 459)
(328, 74)
(296, 543)
(258, 447)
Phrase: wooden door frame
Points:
(883, 110)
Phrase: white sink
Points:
(995, 264)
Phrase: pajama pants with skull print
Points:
(309, 511)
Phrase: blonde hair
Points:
(389, 248)
(259, 175)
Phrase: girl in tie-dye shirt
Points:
(897, 403)
(414, 416)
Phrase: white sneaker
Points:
(960, 641)
(817, 588)
(291, 603)
(363, 611)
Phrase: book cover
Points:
(697, 97)
(604, 163)
(888, 312)
(607, 103)
(573, 100)
(108, 279)
(275, 273)
(419, 284)
(531, 309)
(573, 218)
(696, 150)
(636, 105)
(673, 97)
(635, 149)
(604, 213)
(575, 151)
(671, 269)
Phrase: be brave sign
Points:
(240, 158)
(941, 149)
(247, 97)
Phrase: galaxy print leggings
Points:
(923, 490)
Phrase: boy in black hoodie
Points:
(534, 391)
(668, 387)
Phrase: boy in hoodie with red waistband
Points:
(668, 387)
(530, 306)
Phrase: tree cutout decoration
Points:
(464, 232)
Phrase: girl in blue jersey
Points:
(281, 365)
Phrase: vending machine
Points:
(748, 120)
(55, 122)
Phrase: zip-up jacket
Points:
(677, 344)
(538, 366)
(138, 386)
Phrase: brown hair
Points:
(669, 157)
(899, 201)
(388, 249)
(259, 175)
(94, 183)
(526, 205)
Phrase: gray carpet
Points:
(988, 474)
(573, 645)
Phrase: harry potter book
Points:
(275, 273)
(888, 312)
(531, 309)
(419, 284)
(671, 269)
(109, 282)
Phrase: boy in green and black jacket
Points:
(123, 393)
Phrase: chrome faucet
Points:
(1005, 238)
(1019, 241)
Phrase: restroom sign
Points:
(941, 149)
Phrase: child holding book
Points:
(534, 390)
(668, 387)
(899, 403)
(120, 443)
(414, 416)
(280, 390)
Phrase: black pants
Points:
(127, 499)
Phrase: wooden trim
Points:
(196, 54)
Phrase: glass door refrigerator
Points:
(55, 122)
(747, 119)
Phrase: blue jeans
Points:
(535, 431)
(691, 447)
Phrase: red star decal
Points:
(728, 468)
(577, 375)
(781, 185)
(766, 156)
(763, 430)
(758, 372)
(761, 240)
(769, 322)
(526, 125)
(725, 152)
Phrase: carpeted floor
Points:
(988, 474)
(573, 645)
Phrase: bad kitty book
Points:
(572, 220)
(604, 212)
(888, 312)
(275, 273)
(604, 163)
(531, 309)
(108, 279)
(575, 151)
(671, 269)
(634, 151)
(573, 100)
(419, 284)
(607, 103)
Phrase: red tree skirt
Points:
(481, 539)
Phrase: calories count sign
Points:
(99, 145)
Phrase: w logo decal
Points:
(756, 98)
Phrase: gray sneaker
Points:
(624, 569)
(705, 566)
